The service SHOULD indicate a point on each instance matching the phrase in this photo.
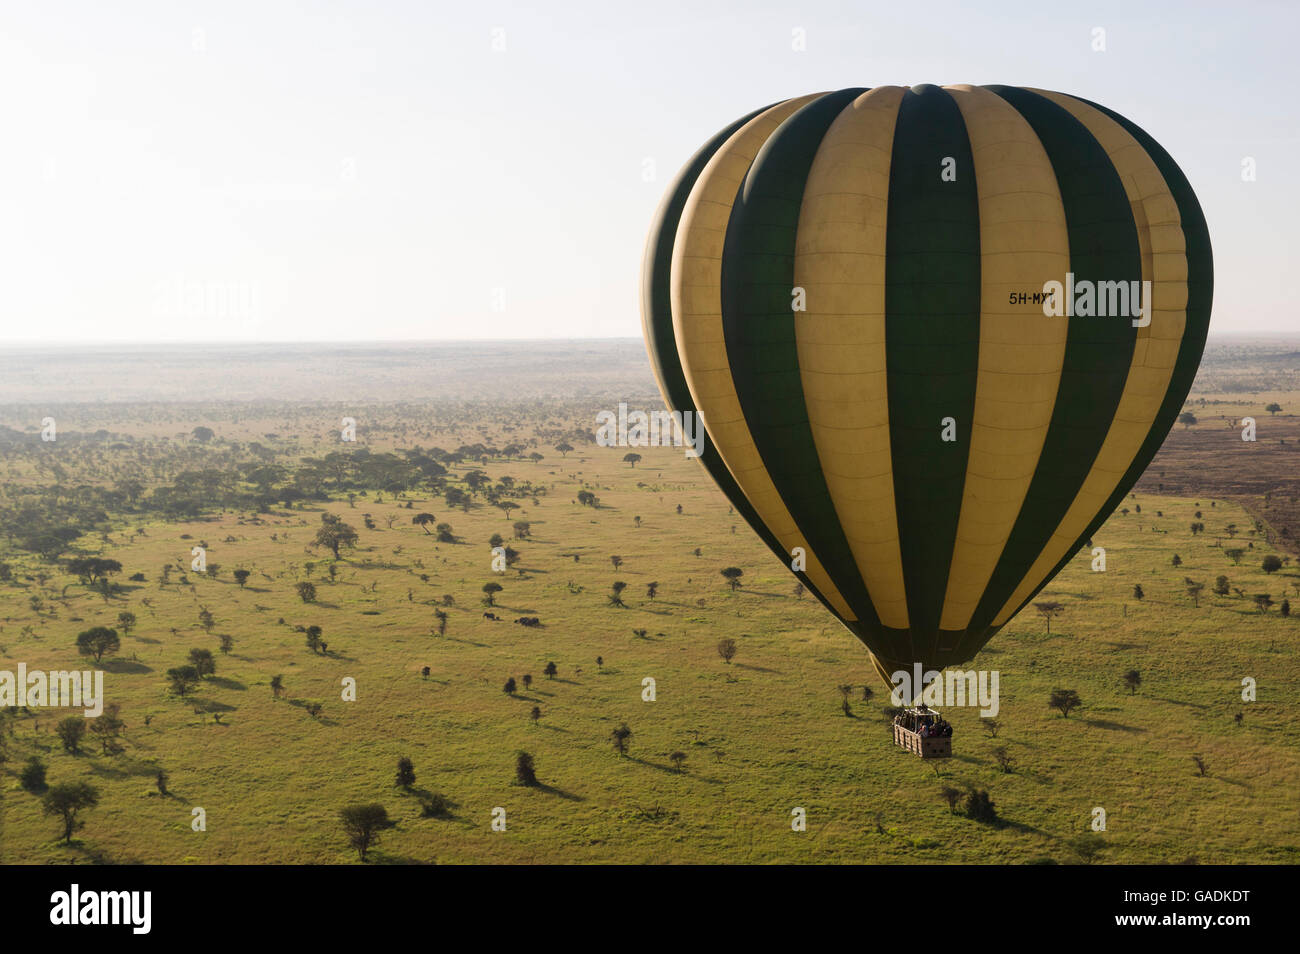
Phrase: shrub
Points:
(525, 770)
(32, 777)
(435, 806)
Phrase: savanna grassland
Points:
(469, 435)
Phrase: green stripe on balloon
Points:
(932, 325)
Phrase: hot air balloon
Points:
(935, 335)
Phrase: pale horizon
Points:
(490, 173)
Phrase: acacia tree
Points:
(1132, 679)
(1047, 609)
(241, 577)
(68, 800)
(616, 593)
(202, 661)
(490, 591)
(423, 520)
(1064, 700)
(71, 731)
(183, 679)
(98, 642)
(362, 824)
(727, 649)
(732, 574)
(306, 591)
(334, 533)
(107, 727)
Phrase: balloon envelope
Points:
(935, 335)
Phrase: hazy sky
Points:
(378, 170)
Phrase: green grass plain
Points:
(763, 735)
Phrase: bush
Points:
(405, 772)
(71, 731)
(32, 776)
(525, 771)
(435, 806)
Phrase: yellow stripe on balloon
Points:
(840, 264)
(1023, 243)
(696, 295)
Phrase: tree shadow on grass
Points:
(1229, 780)
(467, 642)
(1179, 702)
(1021, 827)
(109, 771)
(557, 792)
(170, 796)
(377, 856)
(98, 856)
(124, 667)
(226, 683)
(211, 705)
(667, 769)
(775, 672)
(1113, 726)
